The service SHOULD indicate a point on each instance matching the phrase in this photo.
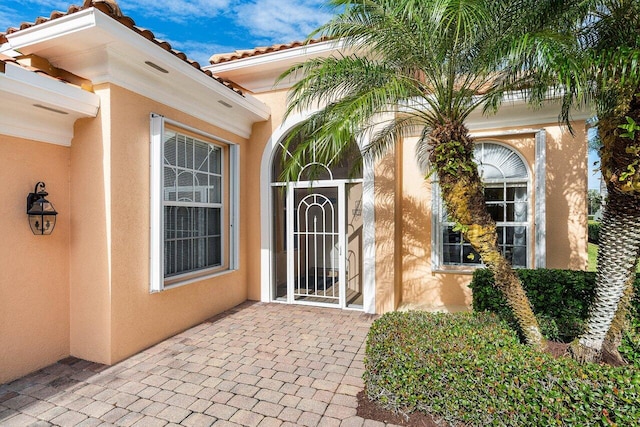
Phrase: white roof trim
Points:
(27, 98)
(44, 89)
(278, 55)
(259, 73)
(91, 44)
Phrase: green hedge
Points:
(594, 232)
(471, 369)
(560, 299)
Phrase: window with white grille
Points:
(193, 182)
(192, 200)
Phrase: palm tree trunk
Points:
(462, 193)
(620, 322)
(617, 255)
(619, 233)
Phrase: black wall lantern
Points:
(42, 214)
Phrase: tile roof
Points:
(240, 54)
(111, 9)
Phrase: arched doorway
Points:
(317, 231)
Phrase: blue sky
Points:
(594, 176)
(199, 28)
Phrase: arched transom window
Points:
(506, 181)
(347, 166)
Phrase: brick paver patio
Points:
(256, 365)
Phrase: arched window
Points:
(506, 180)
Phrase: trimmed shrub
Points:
(594, 232)
(471, 369)
(560, 299)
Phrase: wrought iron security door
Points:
(315, 242)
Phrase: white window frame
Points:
(157, 280)
(437, 261)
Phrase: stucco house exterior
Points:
(166, 178)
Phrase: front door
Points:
(316, 242)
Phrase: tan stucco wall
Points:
(114, 315)
(89, 251)
(388, 230)
(567, 183)
(34, 270)
(260, 135)
(404, 275)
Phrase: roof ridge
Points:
(112, 9)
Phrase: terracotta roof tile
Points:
(240, 54)
(111, 9)
(5, 60)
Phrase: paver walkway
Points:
(256, 365)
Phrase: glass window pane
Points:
(201, 188)
(516, 193)
(181, 151)
(520, 211)
(494, 194)
(169, 258)
(520, 236)
(213, 221)
(170, 190)
(451, 254)
(469, 256)
(450, 236)
(215, 163)
(500, 231)
(169, 223)
(188, 153)
(496, 211)
(214, 251)
(200, 253)
(200, 157)
(170, 148)
(508, 236)
(215, 190)
(185, 187)
(519, 256)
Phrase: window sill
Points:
(188, 281)
(456, 270)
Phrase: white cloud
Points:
(20, 11)
(175, 10)
(277, 21)
(7, 19)
(48, 6)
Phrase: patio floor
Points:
(255, 365)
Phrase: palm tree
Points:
(421, 66)
(602, 70)
(612, 50)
